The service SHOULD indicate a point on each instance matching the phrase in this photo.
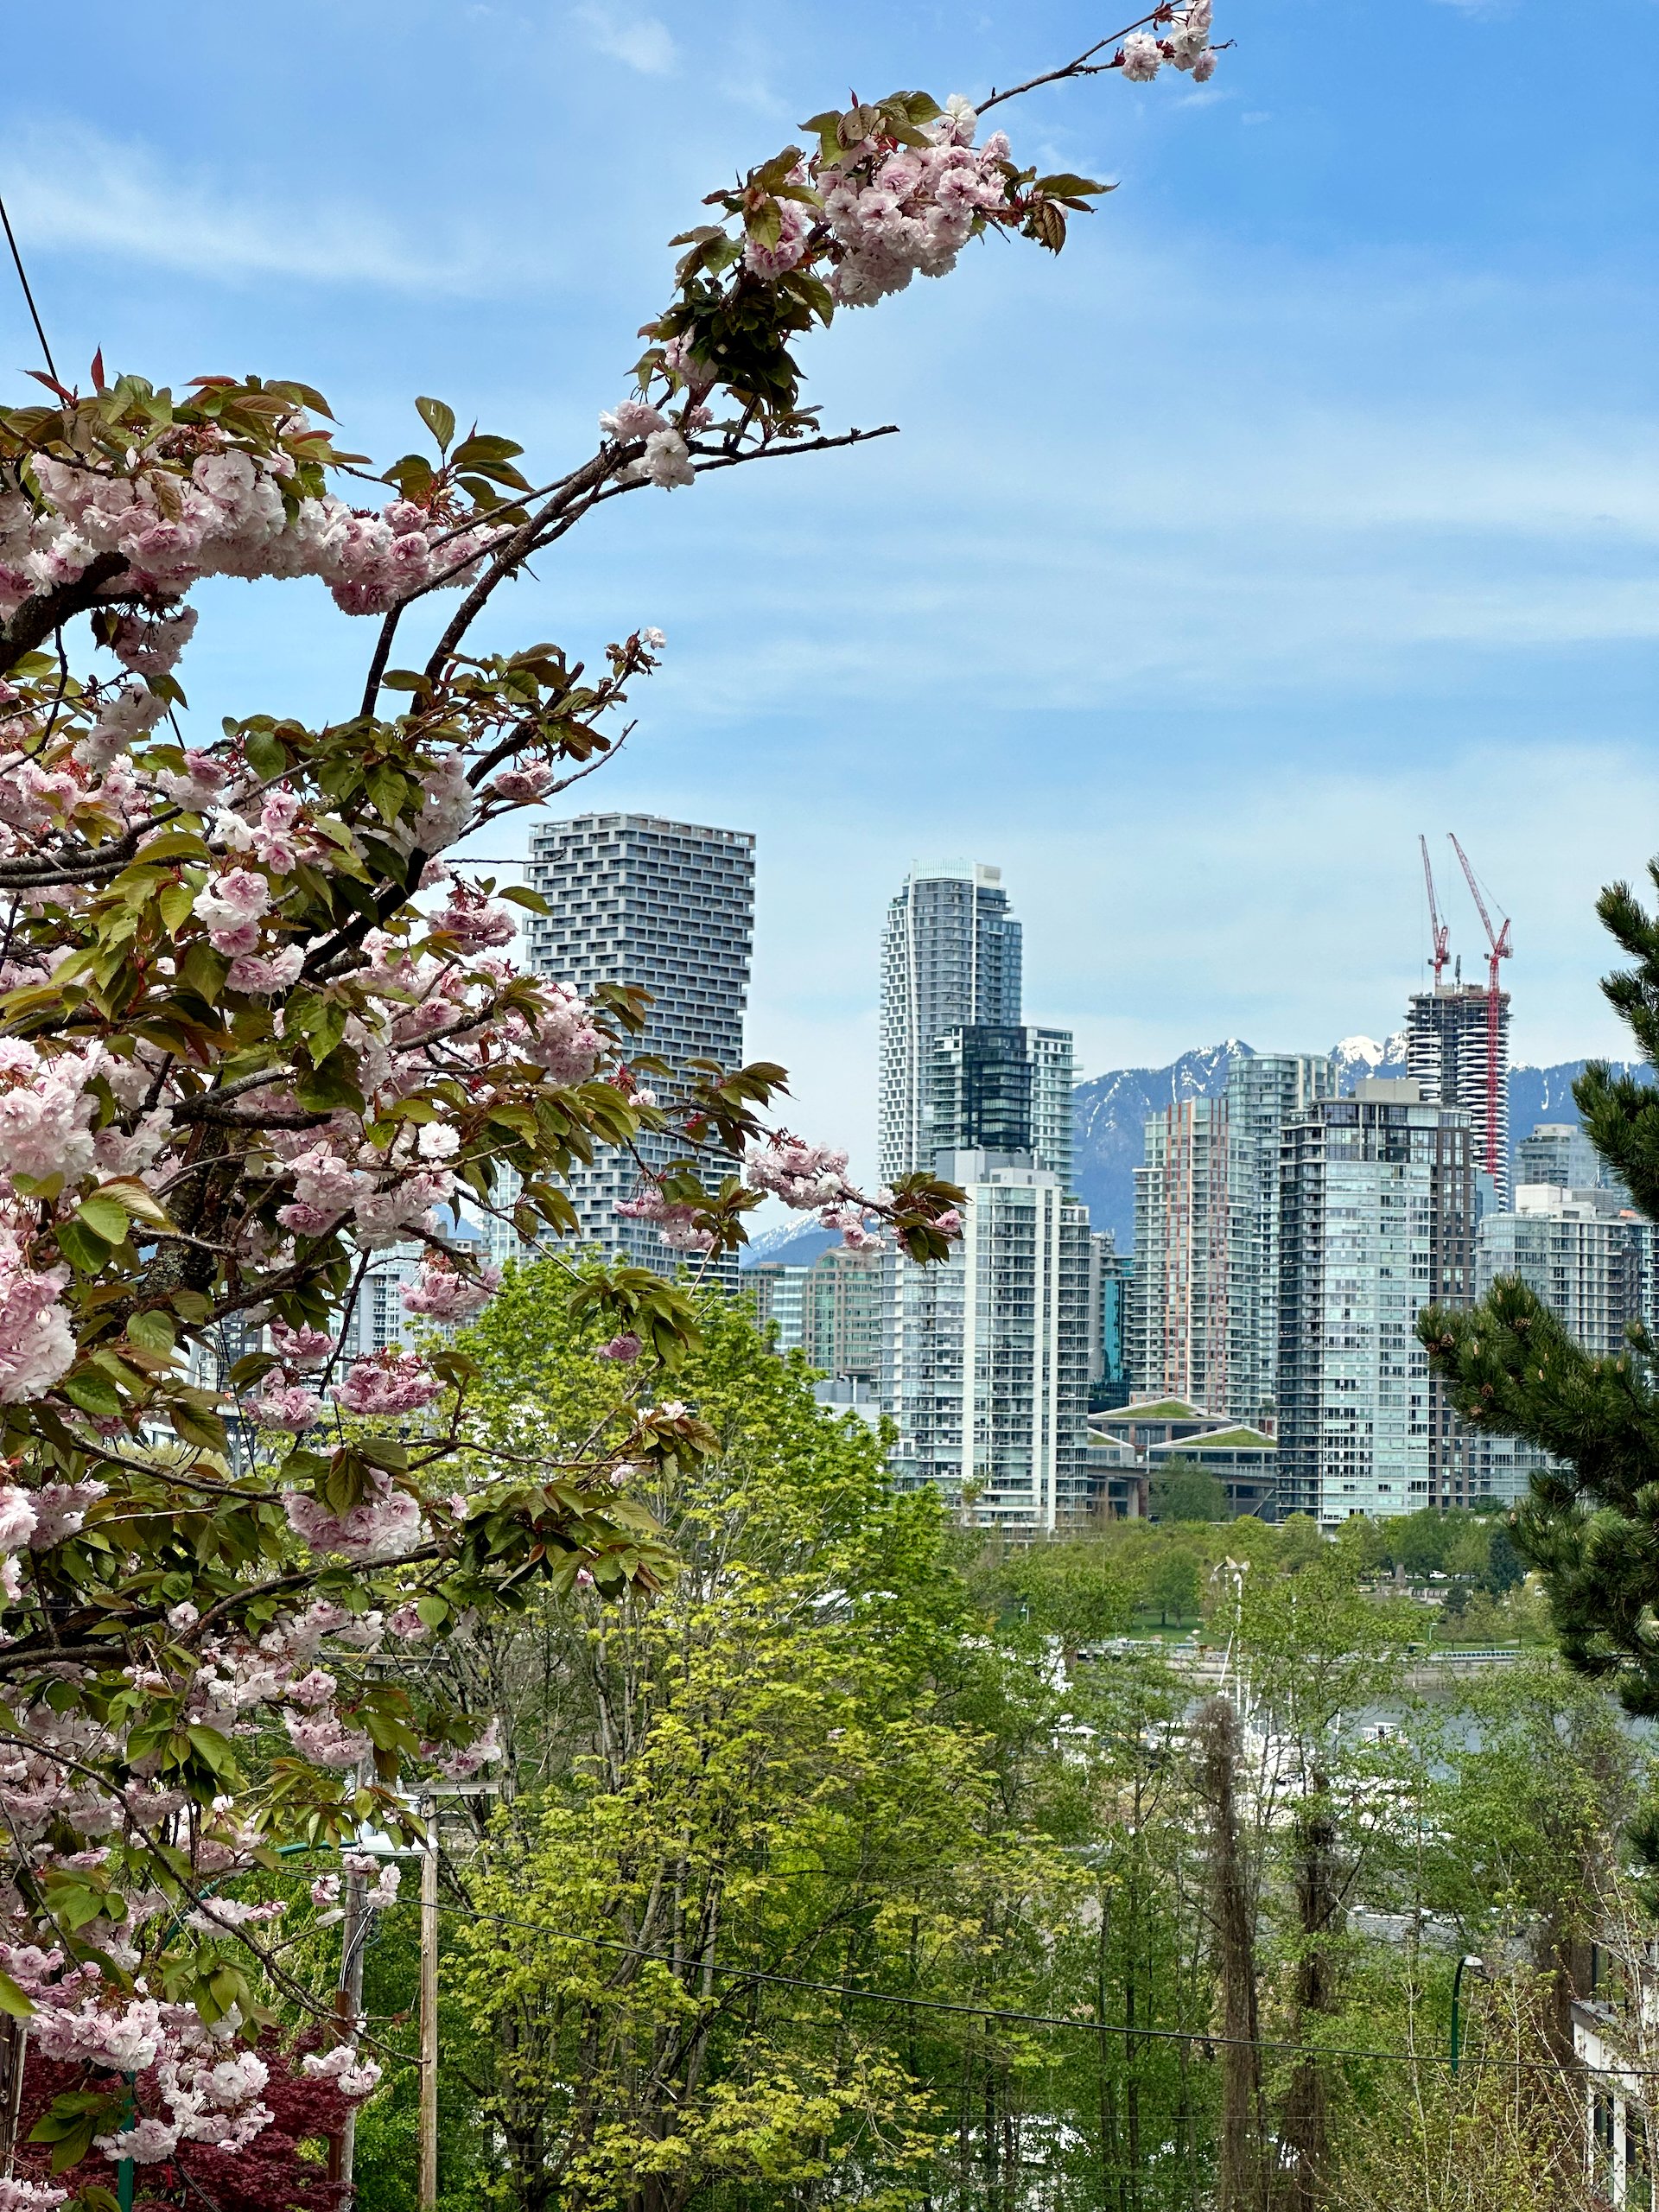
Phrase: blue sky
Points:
(1309, 500)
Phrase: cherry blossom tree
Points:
(254, 1028)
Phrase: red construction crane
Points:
(1441, 930)
(1500, 948)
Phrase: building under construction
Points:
(1449, 1054)
(1457, 1040)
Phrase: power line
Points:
(896, 1998)
(22, 278)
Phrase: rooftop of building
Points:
(1226, 1440)
(548, 832)
(1156, 1410)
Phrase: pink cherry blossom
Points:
(37, 1344)
(46, 1111)
(441, 1293)
(17, 1517)
(230, 908)
(303, 1346)
(388, 1382)
(285, 1405)
(801, 1174)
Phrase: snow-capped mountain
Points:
(1111, 1111)
(795, 1240)
(1359, 1056)
(1110, 1114)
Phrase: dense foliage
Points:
(837, 1872)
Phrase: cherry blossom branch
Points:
(1084, 65)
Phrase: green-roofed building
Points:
(1243, 1460)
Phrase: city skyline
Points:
(1286, 596)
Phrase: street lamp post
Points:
(1467, 1959)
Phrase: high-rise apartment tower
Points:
(985, 1362)
(999, 1089)
(1264, 1090)
(949, 960)
(1376, 1221)
(1177, 1317)
(670, 907)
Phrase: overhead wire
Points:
(1009, 2015)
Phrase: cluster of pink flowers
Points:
(911, 212)
(385, 1526)
(443, 1293)
(46, 1111)
(482, 1752)
(1186, 46)
(353, 2075)
(227, 518)
(230, 907)
(812, 1178)
(388, 1382)
(387, 1197)
(300, 1347)
(477, 923)
(283, 1403)
(37, 1343)
(666, 460)
(803, 1175)
(564, 1040)
(677, 1223)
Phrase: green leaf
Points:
(267, 756)
(104, 1216)
(518, 894)
(1067, 186)
(331, 1084)
(486, 447)
(192, 1426)
(175, 903)
(81, 1247)
(174, 845)
(212, 1748)
(439, 419)
(13, 2001)
(204, 970)
(137, 1199)
(93, 1395)
(152, 1331)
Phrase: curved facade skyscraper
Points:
(950, 959)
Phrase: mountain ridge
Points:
(1111, 1109)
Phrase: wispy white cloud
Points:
(71, 189)
(642, 42)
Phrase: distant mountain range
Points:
(789, 1241)
(1113, 1109)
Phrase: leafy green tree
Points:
(1173, 1586)
(780, 1768)
(1505, 1569)
(1082, 1592)
(1181, 1490)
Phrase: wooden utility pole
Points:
(13, 2042)
(348, 2010)
(1240, 2176)
(428, 2145)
